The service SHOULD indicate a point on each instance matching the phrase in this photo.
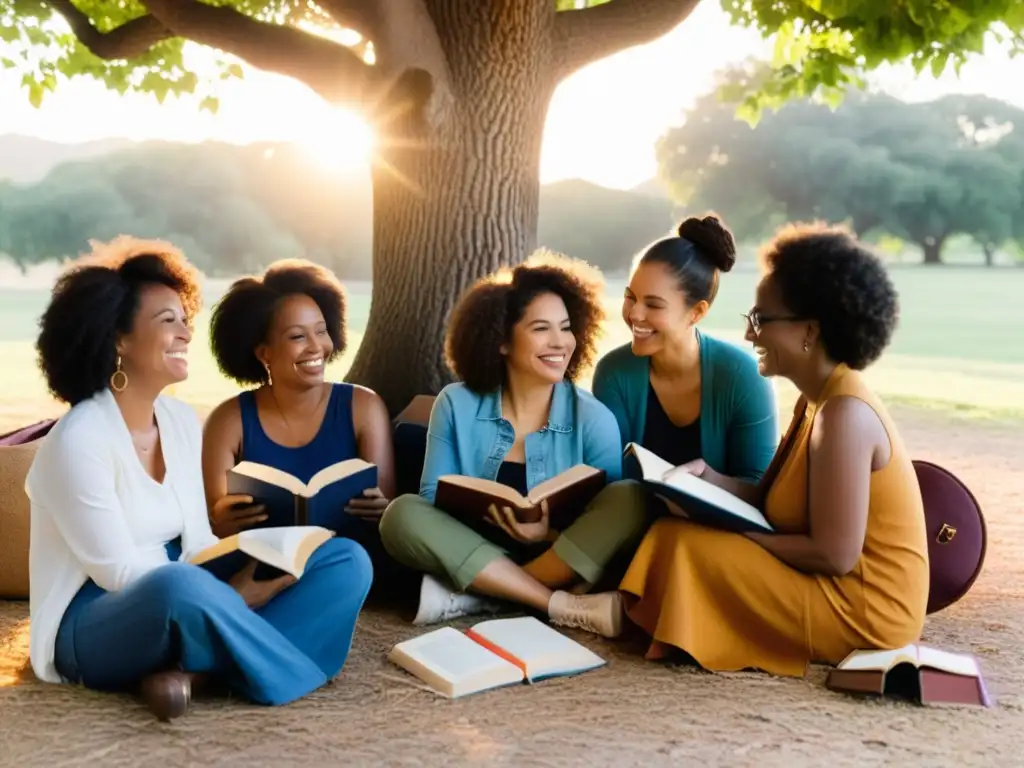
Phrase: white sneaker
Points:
(601, 614)
(438, 603)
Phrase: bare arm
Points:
(373, 437)
(222, 445)
(848, 442)
(744, 489)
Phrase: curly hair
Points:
(824, 273)
(241, 320)
(95, 301)
(485, 315)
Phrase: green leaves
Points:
(37, 42)
(820, 45)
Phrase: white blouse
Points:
(97, 514)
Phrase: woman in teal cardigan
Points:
(678, 392)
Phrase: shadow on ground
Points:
(630, 713)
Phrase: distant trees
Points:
(235, 209)
(922, 172)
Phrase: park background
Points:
(275, 172)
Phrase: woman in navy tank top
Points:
(279, 332)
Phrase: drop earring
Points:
(270, 379)
(807, 345)
(119, 379)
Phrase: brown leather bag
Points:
(15, 461)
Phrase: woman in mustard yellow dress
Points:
(847, 567)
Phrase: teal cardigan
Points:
(738, 414)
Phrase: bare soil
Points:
(632, 712)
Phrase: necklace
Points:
(150, 437)
(280, 410)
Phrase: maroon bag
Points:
(957, 536)
(27, 434)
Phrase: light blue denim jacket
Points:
(468, 436)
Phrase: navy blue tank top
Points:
(335, 441)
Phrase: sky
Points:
(602, 124)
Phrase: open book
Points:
(282, 550)
(567, 493)
(915, 672)
(492, 654)
(289, 501)
(690, 497)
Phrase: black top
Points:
(676, 445)
(513, 474)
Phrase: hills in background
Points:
(27, 159)
(236, 207)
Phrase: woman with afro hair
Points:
(518, 341)
(279, 332)
(846, 567)
(118, 510)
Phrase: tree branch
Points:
(330, 69)
(585, 36)
(351, 14)
(131, 39)
(408, 49)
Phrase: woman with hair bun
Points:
(847, 565)
(678, 392)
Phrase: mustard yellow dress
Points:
(732, 605)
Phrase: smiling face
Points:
(154, 353)
(782, 341)
(655, 309)
(542, 342)
(298, 344)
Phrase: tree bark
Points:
(455, 193)
(990, 254)
(932, 248)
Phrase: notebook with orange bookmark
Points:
(492, 654)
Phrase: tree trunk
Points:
(458, 199)
(990, 254)
(932, 248)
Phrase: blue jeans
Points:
(182, 616)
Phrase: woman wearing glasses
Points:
(847, 567)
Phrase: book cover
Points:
(289, 501)
(695, 499)
(567, 494)
(492, 654)
(914, 672)
(277, 550)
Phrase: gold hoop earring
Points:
(119, 379)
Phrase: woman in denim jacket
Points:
(517, 341)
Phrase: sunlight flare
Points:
(337, 141)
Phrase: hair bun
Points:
(712, 239)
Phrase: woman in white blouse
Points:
(118, 507)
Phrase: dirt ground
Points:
(631, 712)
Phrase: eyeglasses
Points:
(756, 319)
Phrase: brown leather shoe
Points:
(167, 694)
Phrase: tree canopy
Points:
(446, 83)
(139, 45)
(923, 172)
